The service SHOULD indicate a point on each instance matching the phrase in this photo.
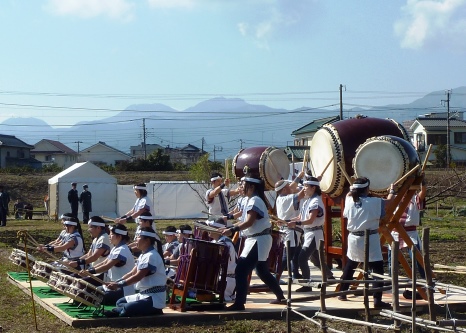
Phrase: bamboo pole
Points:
(395, 284)
(419, 321)
(427, 158)
(316, 322)
(413, 299)
(367, 314)
(353, 321)
(428, 271)
(290, 282)
(323, 288)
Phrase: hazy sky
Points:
(79, 55)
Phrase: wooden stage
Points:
(257, 307)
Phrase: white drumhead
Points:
(382, 161)
(323, 148)
(273, 166)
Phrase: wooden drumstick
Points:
(427, 157)
(326, 167)
(348, 178)
(410, 172)
(235, 237)
(107, 218)
(304, 161)
(227, 175)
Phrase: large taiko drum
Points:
(384, 160)
(208, 261)
(340, 140)
(269, 163)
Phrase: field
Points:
(447, 247)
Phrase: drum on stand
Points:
(269, 163)
(384, 160)
(340, 140)
(18, 257)
(85, 293)
(42, 271)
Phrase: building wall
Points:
(102, 154)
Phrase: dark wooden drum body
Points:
(42, 271)
(18, 257)
(340, 140)
(201, 263)
(384, 160)
(269, 163)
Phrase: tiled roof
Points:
(60, 146)
(12, 141)
(315, 125)
(297, 151)
(431, 123)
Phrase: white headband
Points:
(168, 233)
(119, 231)
(252, 180)
(140, 187)
(215, 178)
(143, 217)
(311, 182)
(70, 223)
(97, 224)
(148, 234)
(186, 232)
(366, 184)
(280, 187)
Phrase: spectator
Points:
(4, 201)
(18, 209)
(73, 199)
(28, 208)
(85, 198)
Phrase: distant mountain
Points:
(224, 124)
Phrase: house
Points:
(433, 129)
(142, 151)
(16, 153)
(54, 152)
(187, 155)
(303, 135)
(103, 154)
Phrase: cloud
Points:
(114, 9)
(432, 23)
(172, 3)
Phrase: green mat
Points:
(19, 276)
(46, 292)
(80, 313)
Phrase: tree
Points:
(441, 156)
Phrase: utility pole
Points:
(202, 143)
(144, 135)
(241, 143)
(217, 148)
(78, 142)
(447, 101)
(341, 101)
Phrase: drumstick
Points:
(326, 167)
(350, 181)
(427, 157)
(107, 218)
(292, 165)
(226, 169)
(207, 228)
(402, 179)
(27, 246)
(304, 161)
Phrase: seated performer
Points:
(218, 238)
(364, 213)
(72, 245)
(149, 278)
(119, 262)
(171, 241)
(100, 247)
(184, 231)
(145, 220)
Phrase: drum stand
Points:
(334, 208)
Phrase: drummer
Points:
(100, 247)
(311, 218)
(184, 231)
(364, 213)
(119, 262)
(218, 238)
(287, 203)
(255, 225)
(217, 197)
(149, 278)
(171, 241)
(73, 244)
(143, 221)
(142, 204)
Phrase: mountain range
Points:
(221, 126)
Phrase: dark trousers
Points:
(311, 253)
(85, 217)
(244, 268)
(348, 272)
(3, 213)
(142, 307)
(294, 255)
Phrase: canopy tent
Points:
(102, 186)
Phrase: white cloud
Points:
(172, 3)
(115, 9)
(432, 22)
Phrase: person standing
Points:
(364, 213)
(255, 225)
(85, 198)
(4, 202)
(73, 199)
(217, 197)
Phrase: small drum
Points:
(85, 293)
(269, 163)
(18, 257)
(340, 140)
(384, 160)
(209, 260)
(42, 270)
(60, 282)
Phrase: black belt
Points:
(153, 290)
(231, 275)
(263, 232)
(314, 228)
(361, 233)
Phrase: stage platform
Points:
(257, 306)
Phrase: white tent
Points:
(102, 186)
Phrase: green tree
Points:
(441, 156)
(203, 168)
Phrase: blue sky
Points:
(109, 54)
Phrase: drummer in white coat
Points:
(311, 218)
(217, 197)
(255, 225)
(364, 213)
(142, 204)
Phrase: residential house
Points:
(187, 155)
(54, 152)
(142, 151)
(103, 154)
(303, 135)
(16, 153)
(433, 129)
